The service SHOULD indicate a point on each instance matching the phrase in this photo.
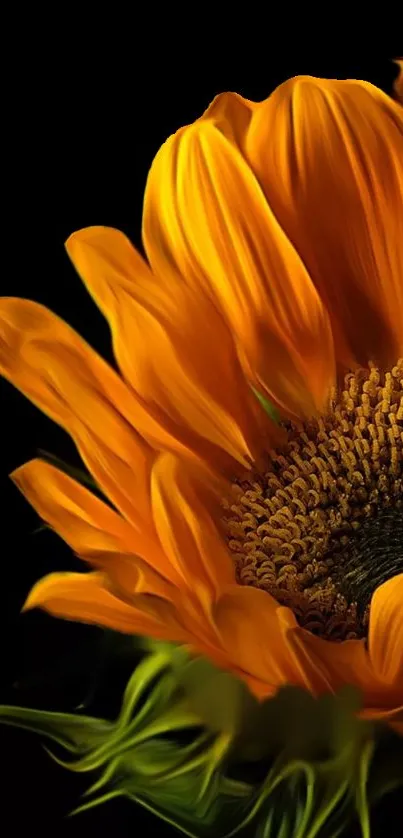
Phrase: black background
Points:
(80, 138)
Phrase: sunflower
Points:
(273, 233)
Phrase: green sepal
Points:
(267, 406)
(187, 737)
(221, 700)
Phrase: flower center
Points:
(322, 528)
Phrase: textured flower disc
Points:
(323, 527)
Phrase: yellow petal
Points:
(254, 631)
(94, 530)
(85, 597)
(231, 114)
(205, 213)
(329, 157)
(185, 525)
(64, 377)
(386, 631)
(171, 345)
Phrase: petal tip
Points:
(31, 601)
(83, 235)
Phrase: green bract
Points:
(189, 738)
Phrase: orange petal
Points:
(386, 632)
(341, 663)
(80, 518)
(255, 631)
(348, 663)
(265, 644)
(184, 522)
(64, 377)
(398, 83)
(94, 530)
(231, 114)
(165, 333)
(329, 157)
(205, 213)
(85, 597)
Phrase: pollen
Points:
(310, 526)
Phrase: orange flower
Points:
(239, 239)
(289, 212)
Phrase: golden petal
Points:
(348, 662)
(341, 663)
(172, 347)
(231, 114)
(86, 597)
(385, 639)
(64, 377)
(80, 518)
(95, 531)
(182, 513)
(205, 213)
(255, 632)
(329, 157)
